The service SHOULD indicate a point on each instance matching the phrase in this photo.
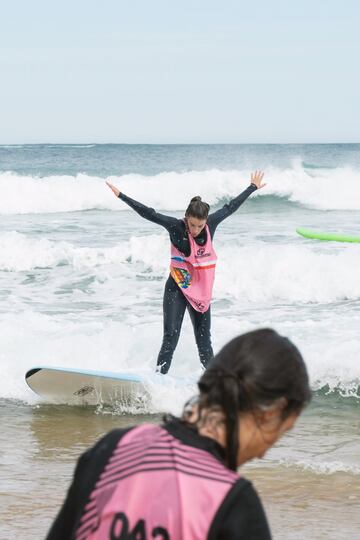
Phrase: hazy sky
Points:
(190, 71)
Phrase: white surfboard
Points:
(82, 387)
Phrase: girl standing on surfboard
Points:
(192, 268)
(178, 480)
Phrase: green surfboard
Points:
(332, 237)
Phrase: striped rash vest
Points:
(155, 486)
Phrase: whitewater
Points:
(321, 189)
(82, 275)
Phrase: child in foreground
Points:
(178, 480)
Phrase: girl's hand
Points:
(113, 188)
(256, 179)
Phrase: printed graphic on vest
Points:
(182, 277)
(201, 253)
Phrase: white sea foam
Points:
(11, 146)
(19, 252)
(96, 340)
(30, 339)
(71, 145)
(288, 273)
(32, 195)
(325, 189)
(322, 467)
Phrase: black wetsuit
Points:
(175, 303)
(240, 515)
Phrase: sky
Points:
(165, 71)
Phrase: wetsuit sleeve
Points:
(241, 516)
(149, 213)
(88, 469)
(229, 208)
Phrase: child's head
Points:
(257, 382)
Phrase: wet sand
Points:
(40, 446)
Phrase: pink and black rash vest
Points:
(158, 482)
(195, 273)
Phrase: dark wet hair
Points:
(197, 208)
(253, 371)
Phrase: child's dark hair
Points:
(197, 208)
(253, 371)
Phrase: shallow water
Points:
(40, 445)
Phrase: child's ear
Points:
(271, 412)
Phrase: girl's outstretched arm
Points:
(231, 207)
(144, 211)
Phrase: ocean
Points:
(81, 283)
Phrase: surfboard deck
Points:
(82, 387)
(328, 236)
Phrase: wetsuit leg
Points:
(202, 323)
(174, 306)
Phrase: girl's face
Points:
(195, 225)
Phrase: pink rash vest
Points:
(155, 487)
(158, 482)
(195, 274)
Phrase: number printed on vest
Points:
(120, 530)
